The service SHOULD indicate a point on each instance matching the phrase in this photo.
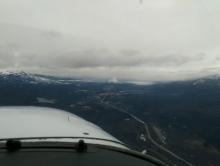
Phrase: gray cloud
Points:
(95, 58)
(122, 39)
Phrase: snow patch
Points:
(45, 100)
(143, 138)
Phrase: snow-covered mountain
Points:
(214, 79)
(37, 78)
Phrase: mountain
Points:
(163, 119)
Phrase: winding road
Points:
(148, 133)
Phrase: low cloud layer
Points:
(124, 40)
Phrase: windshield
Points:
(145, 71)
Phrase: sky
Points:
(133, 40)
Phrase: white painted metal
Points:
(28, 121)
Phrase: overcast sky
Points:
(156, 40)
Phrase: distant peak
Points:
(113, 80)
(13, 73)
(36, 78)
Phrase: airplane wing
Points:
(46, 136)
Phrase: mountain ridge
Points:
(181, 116)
